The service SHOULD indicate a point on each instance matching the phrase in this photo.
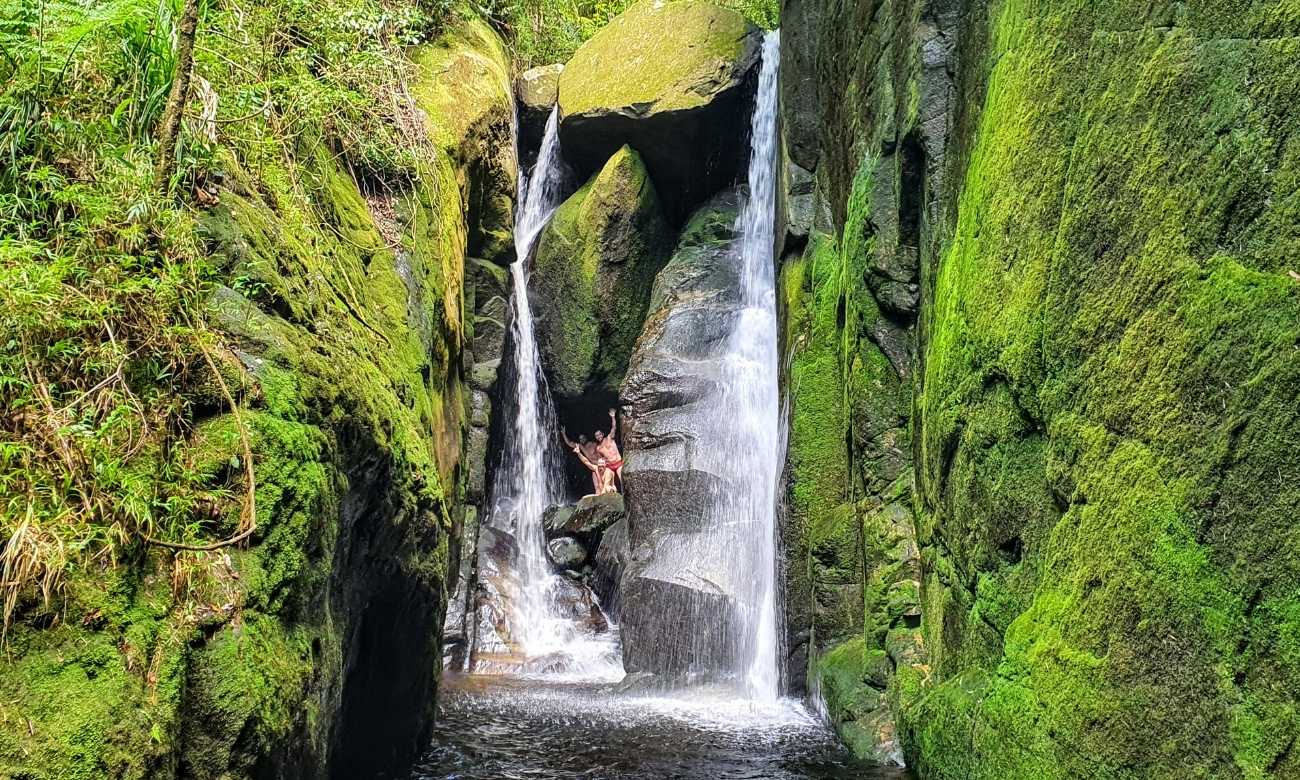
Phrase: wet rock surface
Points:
(611, 558)
(588, 518)
(566, 552)
(677, 574)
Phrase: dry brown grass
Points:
(31, 565)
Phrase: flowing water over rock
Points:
(705, 444)
(533, 621)
(713, 569)
(753, 446)
(507, 729)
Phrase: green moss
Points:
(246, 698)
(344, 356)
(1109, 379)
(654, 55)
(463, 79)
(851, 680)
(592, 275)
(823, 522)
(96, 698)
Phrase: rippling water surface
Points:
(500, 728)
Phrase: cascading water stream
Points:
(752, 440)
(527, 481)
(721, 566)
(560, 727)
(532, 478)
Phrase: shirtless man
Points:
(588, 450)
(601, 475)
(607, 448)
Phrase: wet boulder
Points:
(573, 601)
(494, 629)
(556, 520)
(566, 552)
(673, 80)
(680, 573)
(592, 276)
(611, 558)
(587, 519)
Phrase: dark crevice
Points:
(911, 190)
(1011, 550)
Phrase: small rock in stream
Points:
(566, 552)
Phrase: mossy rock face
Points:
(673, 80)
(593, 271)
(463, 85)
(276, 657)
(98, 695)
(1103, 203)
(1109, 381)
(852, 680)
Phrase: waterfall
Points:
(752, 441)
(529, 476)
(527, 480)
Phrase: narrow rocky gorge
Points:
(1035, 391)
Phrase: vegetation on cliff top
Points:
(547, 31)
(103, 271)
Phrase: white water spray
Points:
(532, 478)
(754, 442)
(527, 481)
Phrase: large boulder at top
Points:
(681, 570)
(464, 87)
(592, 276)
(673, 79)
(536, 90)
